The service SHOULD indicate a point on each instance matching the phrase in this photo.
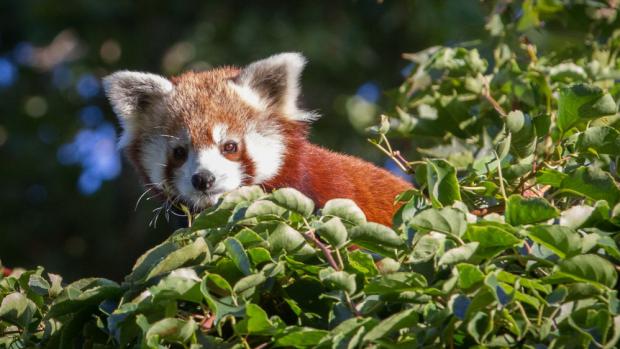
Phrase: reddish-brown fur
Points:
(323, 175)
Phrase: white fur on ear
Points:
(130, 93)
(273, 82)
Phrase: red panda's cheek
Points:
(248, 167)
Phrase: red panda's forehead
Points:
(204, 100)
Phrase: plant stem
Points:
(326, 252)
(501, 177)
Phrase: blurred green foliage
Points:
(53, 53)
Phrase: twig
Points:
(351, 305)
(501, 177)
(486, 93)
(328, 255)
(340, 262)
(389, 154)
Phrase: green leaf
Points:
(362, 262)
(285, 238)
(339, 280)
(520, 210)
(592, 183)
(216, 283)
(248, 238)
(585, 268)
(193, 252)
(214, 217)
(580, 102)
(293, 200)
(443, 186)
(563, 241)
(220, 307)
(249, 282)
(299, 337)
(404, 319)
(493, 238)
(171, 330)
(395, 283)
(599, 140)
(81, 294)
(243, 194)
(334, 232)
(148, 260)
(236, 252)
(446, 220)
(548, 176)
(479, 326)
(38, 284)
(427, 247)
(17, 309)
(259, 255)
(256, 322)
(523, 140)
(345, 209)
(182, 284)
(375, 237)
(263, 208)
(469, 275)
(458, 254)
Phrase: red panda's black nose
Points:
(203, 180)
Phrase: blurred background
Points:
(67, 197)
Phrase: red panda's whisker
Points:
(142, 196)
(153, 222)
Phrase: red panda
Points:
(201, 134)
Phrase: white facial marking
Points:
(249, 96)
(267, 152)
(154, 160)
(228, 176)
(219, 133)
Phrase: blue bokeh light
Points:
(87, 86)
(369, 91)
(91, 116)
(95, 150)
(406, 71)
(8, 73)
(61, 77)
(23, 53)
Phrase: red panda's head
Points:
(199, 135)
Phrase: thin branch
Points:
(328, 255)
(486, 93)
(501, 177)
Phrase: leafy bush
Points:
(510, 238)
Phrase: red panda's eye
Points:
(230, 147)
(179, 153)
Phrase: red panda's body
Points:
(323, 175)
(199, 135)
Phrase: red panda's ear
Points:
(133, 93)
(130, 93)
(275, 81)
